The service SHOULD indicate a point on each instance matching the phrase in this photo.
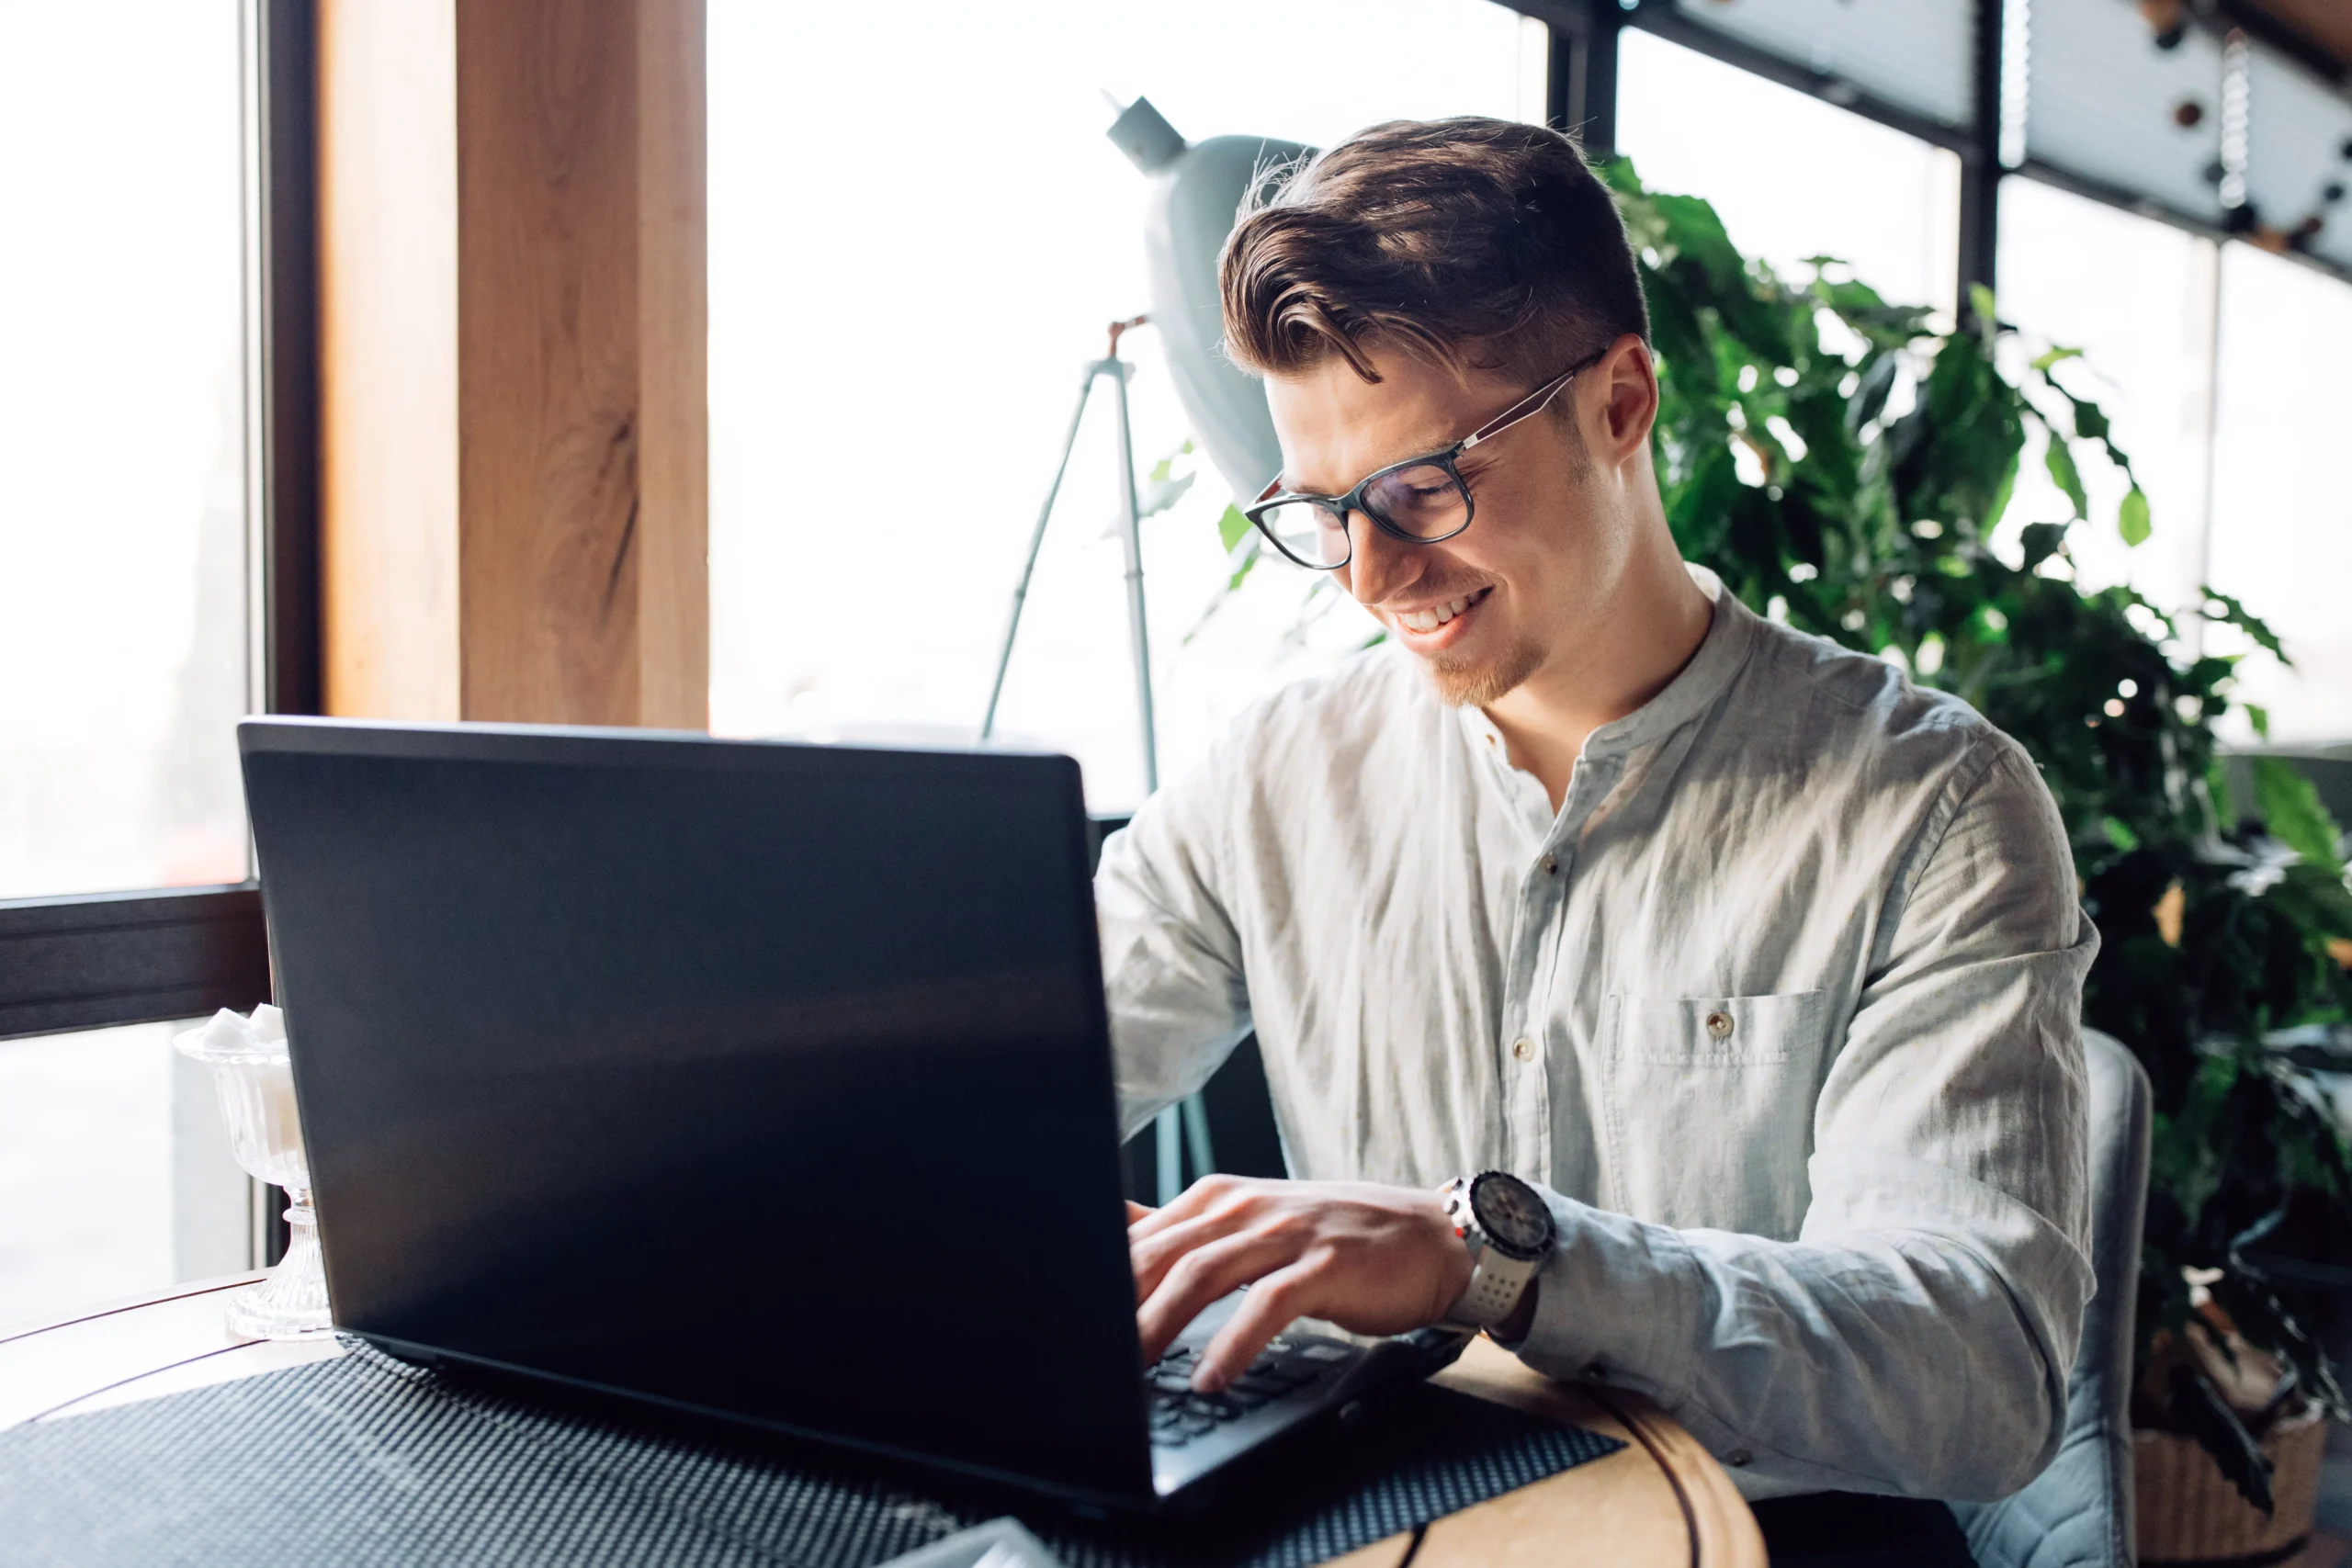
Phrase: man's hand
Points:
(1372, 1260)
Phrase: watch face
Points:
(1512, 1213)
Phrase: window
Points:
(2137, 297)
(913, 253)
(122, 539)
(2282, 514)
(124, 616)
(115, 1174)
(1911, 54)
(1808, 179)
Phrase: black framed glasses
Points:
(1421, 500)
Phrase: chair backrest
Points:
(2077, 1513)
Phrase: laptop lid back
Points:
(767, 1079)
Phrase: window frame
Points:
(1583, 95)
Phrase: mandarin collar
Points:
(1730, 635)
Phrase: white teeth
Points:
(1430, 620)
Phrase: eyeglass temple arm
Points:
(1520, 410)
(1487, 432)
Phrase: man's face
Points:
(1519, 591)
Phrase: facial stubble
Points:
(1474, 684)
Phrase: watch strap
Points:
(1496, 1280)
(1497, 1283)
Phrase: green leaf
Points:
(1162, 492)
(1231, 529)
(2091, 420)
(2000, 504)
(1871, 392)
(2131, 519)
(2217, 790)
(2042, 362)
(1980, 301)
(2317, 900)
(2291, 809)
(2258, 717)
(2120, 834)
(2041, 541)
(2061, 463)
(2232, 613)
(1167, 465)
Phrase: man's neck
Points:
(1655, 626)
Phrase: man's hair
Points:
(1476, 244)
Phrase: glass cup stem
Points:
(291, 1302)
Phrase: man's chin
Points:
(1465, 682)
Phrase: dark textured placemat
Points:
(365, 1459)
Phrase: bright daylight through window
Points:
(918, 406)
(1676, 114)
(2282, 513)
(122, 603)
(903, 300)
(2135, 297)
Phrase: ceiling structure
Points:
(2326, 24)
(2231, 116)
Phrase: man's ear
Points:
(1627, 407)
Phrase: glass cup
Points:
(253, 1077)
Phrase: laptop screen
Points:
(767, 1079)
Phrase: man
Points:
(1754, 967)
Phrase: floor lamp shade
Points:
(1197, 189)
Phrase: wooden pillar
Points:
(511, 285)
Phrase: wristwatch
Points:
(1507, 1228)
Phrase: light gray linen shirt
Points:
(1781, 1008)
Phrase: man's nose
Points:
(1376, 564)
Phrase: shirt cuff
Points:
(1617, 1301)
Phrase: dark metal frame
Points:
(1580, 86)
(1582, 98)
(1980, 160)
(92, 961)
(283, 81)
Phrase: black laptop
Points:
(768, 1081)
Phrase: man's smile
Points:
(1428, 628)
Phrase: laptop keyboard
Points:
(1179, 1415)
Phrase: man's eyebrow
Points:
(1408, 454)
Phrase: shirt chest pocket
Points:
(1709, 1112)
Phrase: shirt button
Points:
(1523, 1049)
(1596, 1371)
(1719, 1024)
(1551, 865)
(1737, 1458)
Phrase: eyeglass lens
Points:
(1425, 502)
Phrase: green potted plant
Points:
(1845, 469)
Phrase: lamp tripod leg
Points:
(1131, 535)
(1181, 1129)
(1185, 1128)
(1036, 542)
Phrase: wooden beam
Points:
(513, 418)
(387, 358)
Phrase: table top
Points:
(1659, 1500)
